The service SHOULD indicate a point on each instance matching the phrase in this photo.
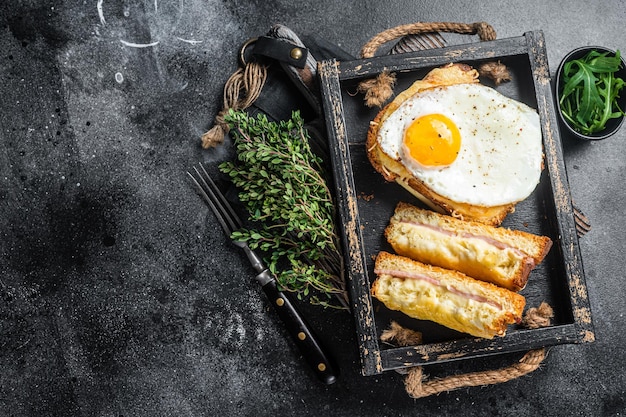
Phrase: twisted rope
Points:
(242, 88)
(417, 386)
(379, 89)
(484, 30)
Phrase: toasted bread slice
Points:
(447, 297)
(494, 254)
(393, 170)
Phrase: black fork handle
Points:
(305, 339)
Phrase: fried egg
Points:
(467, 142)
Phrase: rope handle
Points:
(418, 386)
(484, 30)
(378, 90)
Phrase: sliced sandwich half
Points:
(494, 254)
(447, 297)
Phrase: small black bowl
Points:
(612, 125)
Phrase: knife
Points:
(300, 331)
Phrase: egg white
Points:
(501, 144)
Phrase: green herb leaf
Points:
(590, 91)
(283, 186)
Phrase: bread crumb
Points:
(366, 197)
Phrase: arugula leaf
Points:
(590, 91)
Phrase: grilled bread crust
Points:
(494, 254)
(450, 298)
(392, 170)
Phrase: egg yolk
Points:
(432, 140)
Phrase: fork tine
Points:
(209, 191)
(226, 206)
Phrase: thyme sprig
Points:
(281, 182)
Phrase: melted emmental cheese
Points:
(450, 298)
(421, 299)
(493, 254)
(475, 256)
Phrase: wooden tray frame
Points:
(374, 359)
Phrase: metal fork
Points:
(226, 216)
(299, 330)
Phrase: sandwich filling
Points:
(436, 282)
(478, 256)
(447, 297)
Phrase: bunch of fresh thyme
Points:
(281, 182)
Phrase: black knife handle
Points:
(302, 334)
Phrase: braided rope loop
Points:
(418, 386)
(378, 90)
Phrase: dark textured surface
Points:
(120, 297)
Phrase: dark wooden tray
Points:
(366, 202)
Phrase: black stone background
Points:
(119, 294)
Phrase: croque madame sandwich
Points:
(459, 146)
(495, 254)
(450, 298)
